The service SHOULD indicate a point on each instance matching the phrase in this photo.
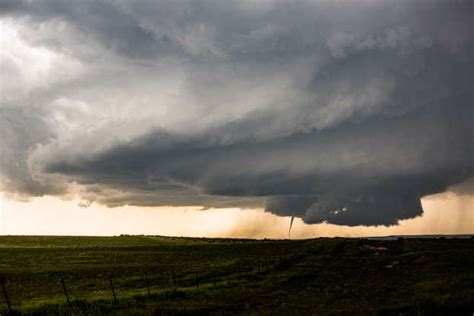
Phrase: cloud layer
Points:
(345, 112)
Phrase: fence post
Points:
(147, 285)
(65, 290)
(7, 300)
(113, 290)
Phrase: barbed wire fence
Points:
(147, 284)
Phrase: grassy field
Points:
(231, 276)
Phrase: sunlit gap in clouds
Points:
(445, 213)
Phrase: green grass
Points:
(233, 276)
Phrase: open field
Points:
(230, 276)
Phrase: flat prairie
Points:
(151, 275)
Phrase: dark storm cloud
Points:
(371, 173)
(19, 134)
(345, 112)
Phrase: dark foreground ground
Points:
(229, 276)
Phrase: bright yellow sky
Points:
(445, 213)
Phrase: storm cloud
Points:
(332, 111)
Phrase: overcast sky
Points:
(345, 112)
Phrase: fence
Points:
(114, 287)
